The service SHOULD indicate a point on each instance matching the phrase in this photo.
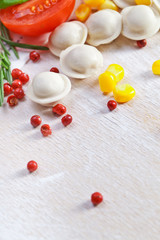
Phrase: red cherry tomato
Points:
(36, 17)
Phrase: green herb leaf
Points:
(5, 34)
(1, 87)
(8, 3)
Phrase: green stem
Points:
(4, 73)
(4, 48)
(15, 52)
(23, 45)
(1, 87)
(4, 65)
(5, 34)
(5, 60)
(9, 77)
(3, 31)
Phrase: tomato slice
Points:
(36, 17)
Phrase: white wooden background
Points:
(116, 153)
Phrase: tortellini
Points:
(48, 87)
(103, 27)
(140, 22)
(81, 61)
(66, 35)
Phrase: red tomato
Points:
(36, 17)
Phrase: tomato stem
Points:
(23, 45)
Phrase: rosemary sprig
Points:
(1, 85)
(5, 73)
(5, 69)
(4, 48)
(5, 33)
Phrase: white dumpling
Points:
(81, 61)
(66, 35)
(48, 87)
(103, 27)
(124, 3)
(140, 22)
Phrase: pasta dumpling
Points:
(81, 61)
(140, 22)
(103, 27)
(66, 35)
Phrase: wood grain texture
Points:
(116, 153)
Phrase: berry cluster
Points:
(46, 130)
(19, 78)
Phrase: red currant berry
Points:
(34, 56)
(35, 120)
(16, 73)
(12, 100)
(59, 109)
(54, 69)
(24, 78)
(66, 120)
(142, 43)
(32, 166)
(46, 130)
(16, 84)
(96, 198)
(7, 89)
(112, 104)
(19, 93)
(7, 83)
